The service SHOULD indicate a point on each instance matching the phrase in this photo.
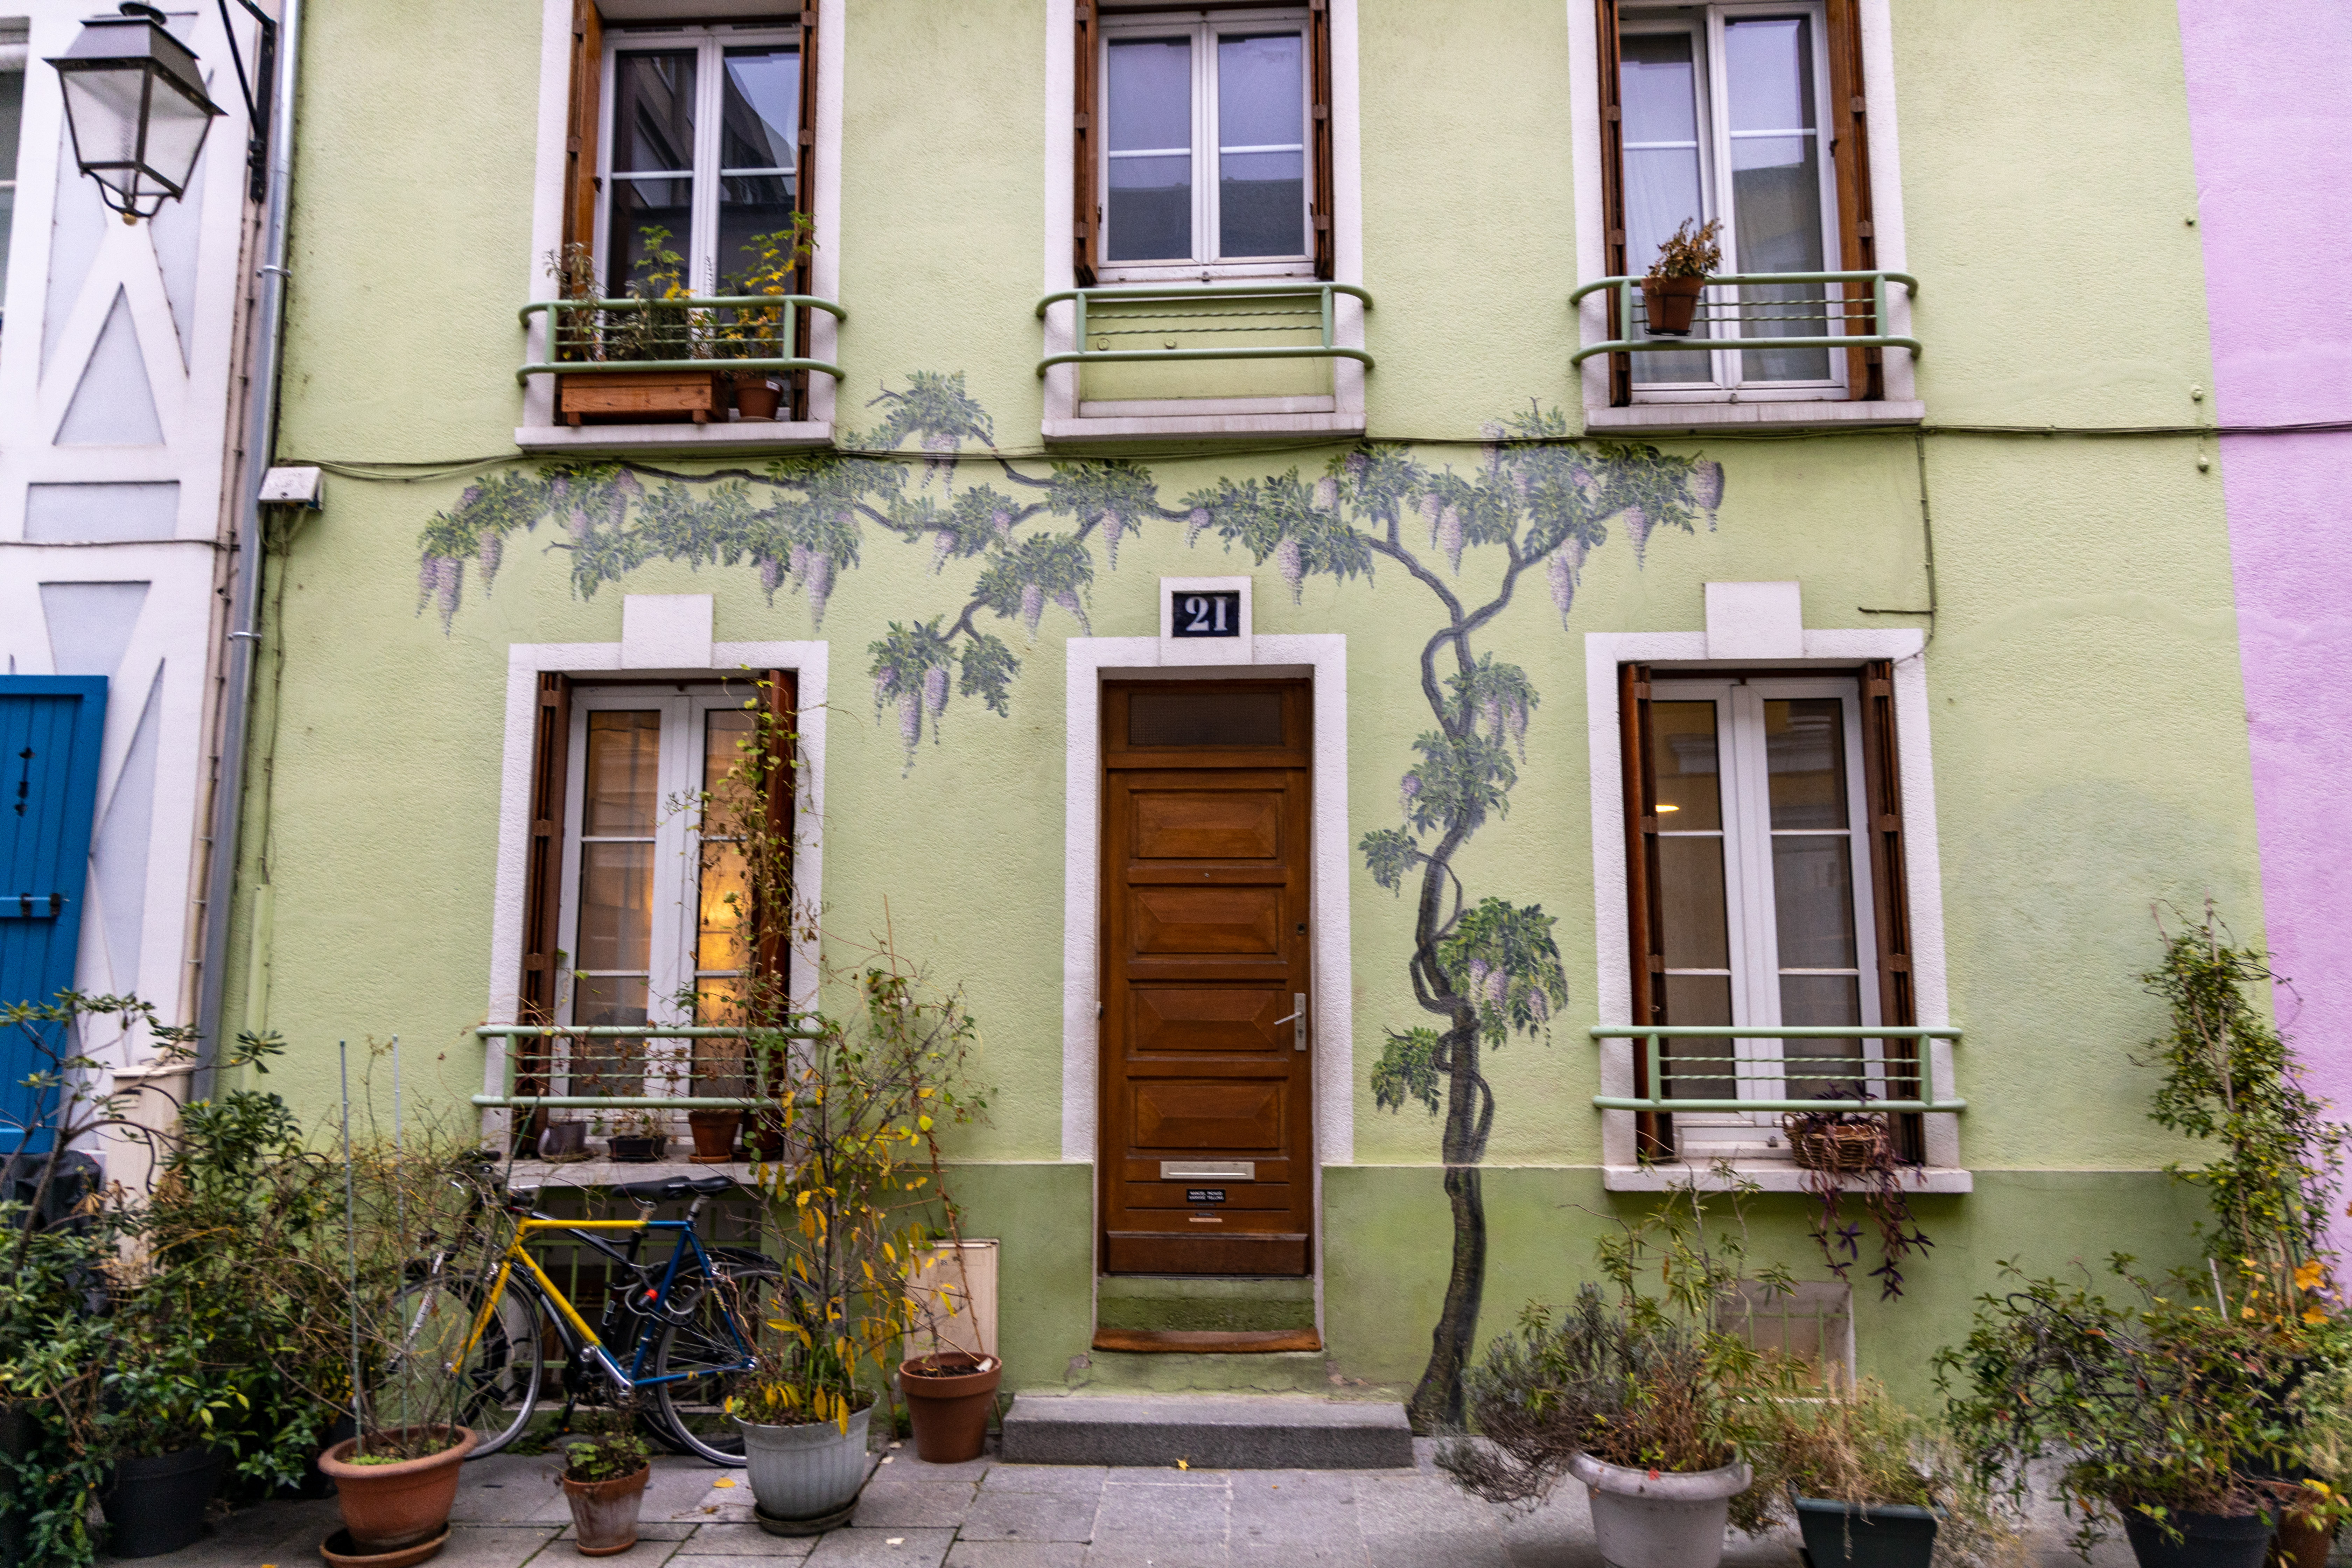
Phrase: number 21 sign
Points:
(1204, 612)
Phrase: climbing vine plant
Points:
(1483, 969)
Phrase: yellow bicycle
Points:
(676, 1332)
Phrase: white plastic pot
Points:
(1659, 1518)
(806, 1472)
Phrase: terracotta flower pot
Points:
(1670, 303)
(947, 1398)
(387, 1507)
(604, 1514)
(758, 396)
(714, 1135)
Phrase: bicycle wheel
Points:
(497, 1379)
(703, 1356)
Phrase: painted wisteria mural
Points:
(1535, 505)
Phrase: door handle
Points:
(1297, 1010)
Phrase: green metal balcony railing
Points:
(627, 1058)
(1889, 1081)
(749, 332)
(1845, 322)
(1106, 319)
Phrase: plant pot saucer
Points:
(338, 1550)
(815, 1525)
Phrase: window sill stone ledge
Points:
(534, 1176)
(734, 436)
(1203, 426)
(1770, 1175)
(1699, 418)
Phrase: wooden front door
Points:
(1207, 1072)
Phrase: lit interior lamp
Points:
(136, 107)
(1669, 808)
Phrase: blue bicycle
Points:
(675, 1335)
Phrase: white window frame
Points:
(678, 852)
(1713, 113)
(14, 56)
(1749, 906)
(1204, 28)
(710, 43)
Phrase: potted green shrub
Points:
(153, 1335)
(1641, 1397)
(1671, 289)
(2159, 1414)
(604, 1479)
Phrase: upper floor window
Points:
(1205, 159)
(1203, 141)
(702, 152)
(1748, 114)
(11, 114)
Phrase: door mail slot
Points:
(1208, 1170)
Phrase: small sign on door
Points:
(1204, 612)
(1204, 1194)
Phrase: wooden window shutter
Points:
(1318, 135)
(1849, 131)
(1085, 208)
(773, 957)
(1890, 890)
(580, 123)
(543, 895)
(1613, 189)
(1645, 922)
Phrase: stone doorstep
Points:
(1231, 1432)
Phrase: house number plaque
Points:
(1204, 612)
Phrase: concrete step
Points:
(1208, 1431)
(1152, 1303)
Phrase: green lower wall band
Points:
(1386, 1251)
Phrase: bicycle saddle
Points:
(675, 1187)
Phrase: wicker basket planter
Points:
(1844, 1147)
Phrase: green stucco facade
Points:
(2087, 732)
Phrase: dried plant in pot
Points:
(1641, 1397)
(659, 324)
(1872, 1484)
(1672, 288)
(604, 1479)
(637, 1137)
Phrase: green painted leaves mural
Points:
(1536, 504)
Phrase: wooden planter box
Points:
(641, 397)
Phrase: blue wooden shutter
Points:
(49, 731)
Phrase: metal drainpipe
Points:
(245, 591)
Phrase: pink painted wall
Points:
(2269, 103)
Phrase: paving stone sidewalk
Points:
(985, 1514)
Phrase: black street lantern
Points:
(136, 107)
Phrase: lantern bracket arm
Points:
(257, 109)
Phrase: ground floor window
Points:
(1765, 892)
(653, 907)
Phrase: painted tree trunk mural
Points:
(1486, 969)
(1483, 969)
